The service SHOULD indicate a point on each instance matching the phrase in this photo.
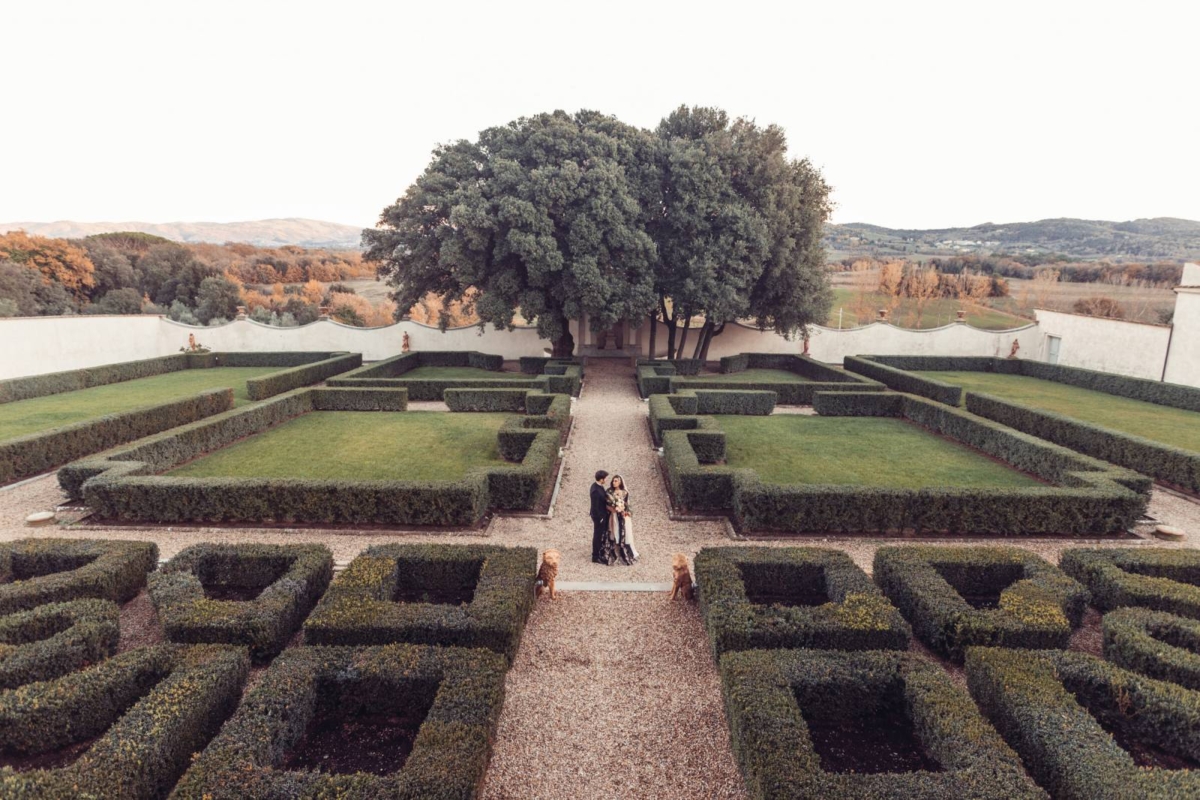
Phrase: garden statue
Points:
(404, 343)
(1015, 347)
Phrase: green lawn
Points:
(858, 451)
(456, 373)
(52, 411)
(941, 311)
(755, 376)
(360, 445)
(1173, 426)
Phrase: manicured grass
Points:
(858, 451)
(1173, 426)
(360, 445)
(755, 376)
(53, 411)
(454, 373)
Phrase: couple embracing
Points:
(612, 522)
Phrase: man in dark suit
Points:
(599, 516)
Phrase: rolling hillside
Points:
(262, 233)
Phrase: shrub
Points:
(679, 411)
(735, 401)
(486, 399)
(57, 382)
(1054, 709)
(285, 581)
(1156, 578)
(151, 708)
(738, 363)
(760, 597)
(448, 758)
(536, 365)
(959, 597)
(304, 375)
(680, 366)
(654, 379)
(390, 373)
(461, 595)
(34, 572)
(1154, 643)
(55, 639)
(903, 381)
(773, 698)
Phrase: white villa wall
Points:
(1183, 363)
(1109, 345)
(34, 345)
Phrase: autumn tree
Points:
(1099, 306)
(56, 260)
(922, 287)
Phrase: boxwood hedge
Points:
(1156, 578)
(151, 709)
(125, 484)
(15, 389)
(681, 411)
(57, 638)
(1038, 605)
(448, 758)
(821, 377)
(1086, 496)
(34, 572)
(462, 595)
(765, 597)
(557, 377)
(772, 697)
(289, 579)
(324, 365)
(1057, 710)
(1154, 643)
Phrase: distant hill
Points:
(262, 233)
(1141, 239)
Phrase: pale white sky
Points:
(920, 114)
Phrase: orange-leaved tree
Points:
(57, 260)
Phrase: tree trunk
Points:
(687, 323)
(653, 333)
(717, 331)
(564, 345)
(669, 321)
(702, 339)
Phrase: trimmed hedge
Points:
(654, 379)
(150, 708)
(854, 616)
(34, 572)
(1087, 496)
(537, 365)
(486, 400)
(821, 377)
(1038, 608)
(291, 579)
(680, 411)
(769, 693)
(1049, 705)
(681, 366)
(360, 607)
(57, 638)
(449, 756)
(735, 401)
(1156, 578)
(124, 485)
(902, 381)
(558, 377)
(1154, 643)
(15, 389)
(304, 375)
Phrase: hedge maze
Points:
(1156, 644)
(555, 376)
(34, 572)
(811, 376)
(42, 449)
(51, 640)
(1155, 578)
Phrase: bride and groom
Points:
(612, 522)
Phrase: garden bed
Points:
(427, 375)
(34, 572)
(462, 595)
(756, 597)
(54, 639)
(1157, 578)
(1077, 496)
(795, 379)
(1154, 643)
(244, 594)
(956, 597)
(888, 726)
(358, 723)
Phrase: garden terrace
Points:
(38, 571)
(462, 595)
(47, 420)
(1155, 578)
(1087, 730)
(245, 594)
(427, 375)
(358, 723)
(794, 379)
(883, 725)
(959, 597)
(757, 597)
(126, 728)
(1154, 643)
(1148, 426)
(52, 640)
(688, 410)
(444, 469)
(1078, 495)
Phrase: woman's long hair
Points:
(612, 484)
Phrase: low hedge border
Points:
(359, 608)
(303, 375)
(856, 617)
(125, 484)
(15, 389)
(1087, 496)
(536, 365)
(292, 578)
(681, 366)
(34, 572)
(152, 709)
(684, 410)
(1156, 578)
(767, 692)
(57, 638)
(558, 377)
(1039, 604)
(449, 756)
(1047, 705)
(822, 377)
(1172, 465)
(1156, 644)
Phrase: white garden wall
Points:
(1108, 345)
(1183, 363)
